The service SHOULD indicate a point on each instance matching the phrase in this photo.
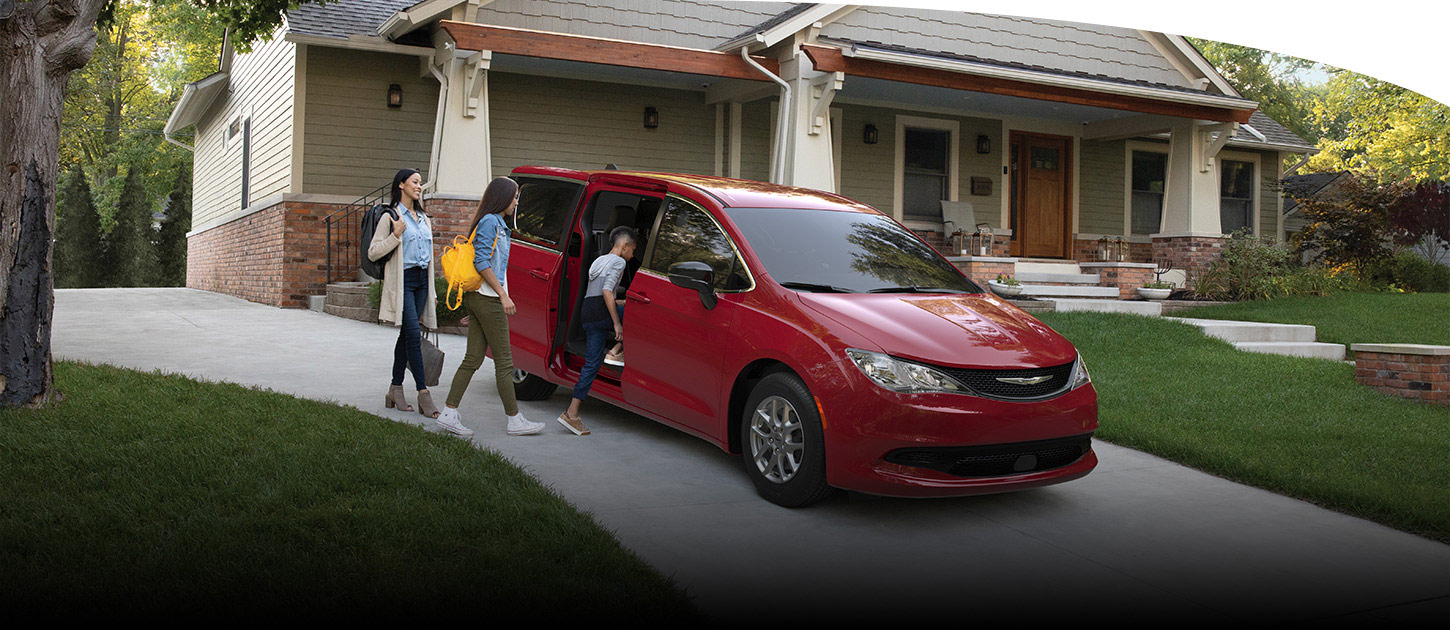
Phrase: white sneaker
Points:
(519, 425)
(448, 419)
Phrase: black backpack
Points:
(369, 227)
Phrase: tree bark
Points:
(40, 46)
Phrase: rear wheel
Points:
(531, 387)
(782, 442)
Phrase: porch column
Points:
(462, 150)
(809, 158)
(1192, 235)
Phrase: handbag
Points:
(432, 361)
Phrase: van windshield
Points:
(845, 252)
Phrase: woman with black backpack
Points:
(405, 236)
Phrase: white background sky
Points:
(1400, 41)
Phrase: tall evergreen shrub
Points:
(79, 254)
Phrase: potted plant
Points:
(1005, 285)
(1156, 290)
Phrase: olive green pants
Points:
(488, 327)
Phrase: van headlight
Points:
(1080, 374)
(902, 376)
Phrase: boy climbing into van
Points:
(603, 320)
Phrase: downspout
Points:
(781, 132)
(437, 125)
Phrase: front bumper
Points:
(938, 445)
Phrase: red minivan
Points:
(824, 342)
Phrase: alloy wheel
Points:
(777, 439)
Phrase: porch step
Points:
(1033, 306)
(1063, 305)
(349, 300)
(1038, 277)
(1073, 291)
(1236, 332)
(1310, 349)
(1064, 267)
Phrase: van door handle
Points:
(539, 273)
(638, 297)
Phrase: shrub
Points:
(1410, 272)
(1255, 268)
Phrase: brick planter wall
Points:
(1192, 254)
(1086, 251)
(278, 256)
(1126, 276)
(982, 269)
(1417, 372)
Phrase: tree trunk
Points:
(40, 46)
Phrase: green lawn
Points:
(147, 493)
(1301, 427)
(1348, 318)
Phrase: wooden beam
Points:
(830, 59)
(612, 52)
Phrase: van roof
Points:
(732, 193)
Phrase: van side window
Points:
(544, 206)
(687, 233)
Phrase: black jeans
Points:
(409, 350)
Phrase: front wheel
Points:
(782, 442)
(531, 387)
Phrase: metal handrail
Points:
(348, 220)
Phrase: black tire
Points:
(531, 387)
(774, 477)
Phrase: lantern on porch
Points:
(981, 242)
(395, 96)
(959, 244)
(1105, 250)
(651, 118)
(1120, 250)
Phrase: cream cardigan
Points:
(390, 308)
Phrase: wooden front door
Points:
(1042, 178)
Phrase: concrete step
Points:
(1067, 267)
(1075, 291)
(362, 314)
(1152, 309)
(1236, 332)
(1038, 277)
(1308, 349)
(351, 299)
(1033, 306)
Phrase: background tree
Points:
(1350, 227)
(1368, 125)
(1271, 79)
(171, 240)
(41, 44)
(78, 244)
(130, 238)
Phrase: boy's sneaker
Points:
(573, 424)
(615, 359)
(519, 425)
(448, 419)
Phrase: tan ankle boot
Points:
(425, 405)
(395, 399)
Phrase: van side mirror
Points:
(696, 276)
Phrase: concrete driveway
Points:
(1140, 537)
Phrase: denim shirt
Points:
(491, 250)
(417, 245)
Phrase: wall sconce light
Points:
(984, 144)
(869, 136)
(395, 95)
(651, 118)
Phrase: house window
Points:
(246, 162)
(1236, 196)
(1149, 180)
(925, 175)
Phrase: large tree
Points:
(78, 246)
(42, 42)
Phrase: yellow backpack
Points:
(458, 268)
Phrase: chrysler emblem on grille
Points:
(1033, 380)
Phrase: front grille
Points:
(998, 460)
(985, 383)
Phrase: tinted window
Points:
(1236, 196)
(544, 206)
(687, 233)
(844, 251)
(1150, 180)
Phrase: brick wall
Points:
(1405, 370)
(983, 269)
(1086, 250)
(1127, 277)
(1192, 254)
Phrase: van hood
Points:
(969, 331)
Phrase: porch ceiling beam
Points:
(831, 59)
(1127, 127)
(598, 50)
(739, 91)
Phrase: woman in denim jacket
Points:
(488, 310)
(408, 298)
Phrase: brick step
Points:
(362, 314)
(1038, 277)
(1255, 332)
(1153, 309)
(1308, 349)
(1068, 291)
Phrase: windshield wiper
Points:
(916, 290)
(817, 288)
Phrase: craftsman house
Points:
(1068, 142)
